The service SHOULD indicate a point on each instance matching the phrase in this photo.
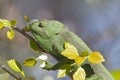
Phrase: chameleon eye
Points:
(40, 25)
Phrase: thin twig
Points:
(3, 68)
(22, 31)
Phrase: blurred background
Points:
(97, 22)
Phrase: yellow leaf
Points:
(10, 34)
(96, 58)
(68, 45)
(70, 53)
(29, 62)
(79, 74)
(61, 73)
(80, 60)
(1, 25)
(6, 23)
(14, 65)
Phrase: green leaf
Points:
(79, 74)
(13, 23)
(26, 18)
(61, 63)
(84, 54)
(4, 76)
(14, 65)
(1, 25)
(27, 28)
(48, 65)
(64, 70)
(6, 23)
(116, 74)
(29, 62)
(34, 45)
(10, 34)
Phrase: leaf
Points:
(84, 54)
(13, 23)
(22, 73)
(61, 63)
(79, 74)
(26, 18)
(29, 62)
(34, 45)
(116, 74)
(61, 73)
(68, 45)
(96, 58)
(64, 70)
(1, 25)
(80, 60)
(27, 28)
(14, 65)
(6, 23)
(70, 54)
(10, 34)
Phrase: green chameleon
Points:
(51, 35)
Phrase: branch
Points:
(3, 68)
(22, 31)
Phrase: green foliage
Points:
(6, 23)
(27, 28)
(34, 45)
(71, 62)
(30, 62)
(13, 23)
(26, 18)
(16, 66)
(63, 71)
(1, 25)
(10, 25)
(84, 54)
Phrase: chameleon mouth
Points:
(44, 34)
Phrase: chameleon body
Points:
(51, 36)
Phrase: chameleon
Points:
(51, 35)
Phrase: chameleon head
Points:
(46, 29)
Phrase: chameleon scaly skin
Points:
(51, 36)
